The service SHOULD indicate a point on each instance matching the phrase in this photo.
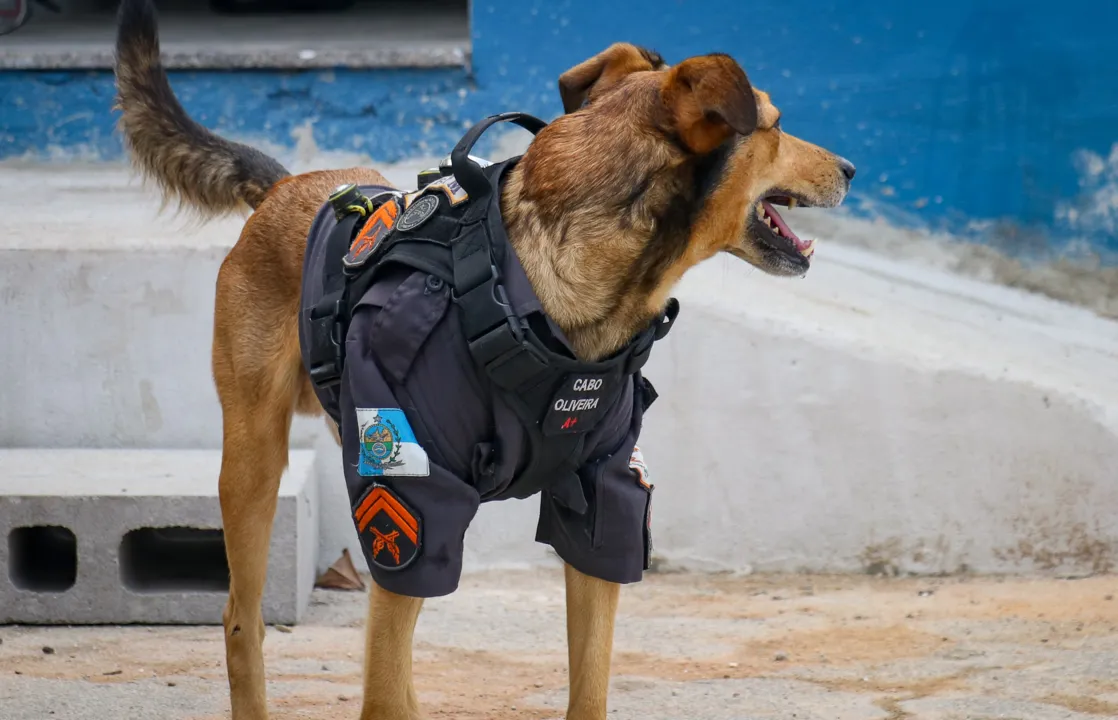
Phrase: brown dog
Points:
(653, 170)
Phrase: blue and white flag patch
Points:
(388, 446)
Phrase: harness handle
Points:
(467, 172)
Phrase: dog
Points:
(650, 170)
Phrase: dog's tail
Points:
(191, 164)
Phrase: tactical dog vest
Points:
(427, 346)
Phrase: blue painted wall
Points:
(991, 118)
(994, 116)
(388, 114)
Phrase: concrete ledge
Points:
(134, 536)
(886, 418)
(380, 37)
(112, 304)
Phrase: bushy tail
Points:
(191, 164)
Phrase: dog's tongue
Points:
(804, 246)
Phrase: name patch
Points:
(578, 405)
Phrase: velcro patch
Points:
(387, 445)
(376, 227)
(390, 530)
(418, 212)
(639, 466)
(450, 188)
(578, 405)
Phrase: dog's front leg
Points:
(389, 692)
(591, 608)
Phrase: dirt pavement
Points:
(695, 647)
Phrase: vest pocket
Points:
(405, 321)
(619, 513)
(594, 485)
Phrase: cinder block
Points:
(134, 536)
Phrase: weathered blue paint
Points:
(388, 114)
(992, 118)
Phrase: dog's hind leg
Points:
(389, 692)
(259, 376)
(253, 459)
(591, 610)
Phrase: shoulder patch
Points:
(450, 187)
(419, 212)
(390, 531)
(387, 445)
(374, 230)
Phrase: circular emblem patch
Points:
(380, 445)
(418, 213)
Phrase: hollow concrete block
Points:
(135, 536)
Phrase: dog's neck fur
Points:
(604, 248)
(572, 294)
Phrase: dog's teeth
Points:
(791, 202)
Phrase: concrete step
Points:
(134, 536)
(198, 39)
(115, 331)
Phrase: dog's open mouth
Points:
(771, 229)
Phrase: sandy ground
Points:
(687, 646)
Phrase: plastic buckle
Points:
(494, 345)
(327, 372)
(325, 375)
(493, 333)
(479, 315)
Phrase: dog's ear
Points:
(603, 71)
(709, 98)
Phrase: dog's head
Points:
(652, 170)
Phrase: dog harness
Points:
(450, 386)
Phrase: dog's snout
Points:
(847, 168)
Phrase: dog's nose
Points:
(848, 168)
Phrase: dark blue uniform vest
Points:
(450, 385)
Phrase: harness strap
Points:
(467, 171)
(530, 377)
(327, 318)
